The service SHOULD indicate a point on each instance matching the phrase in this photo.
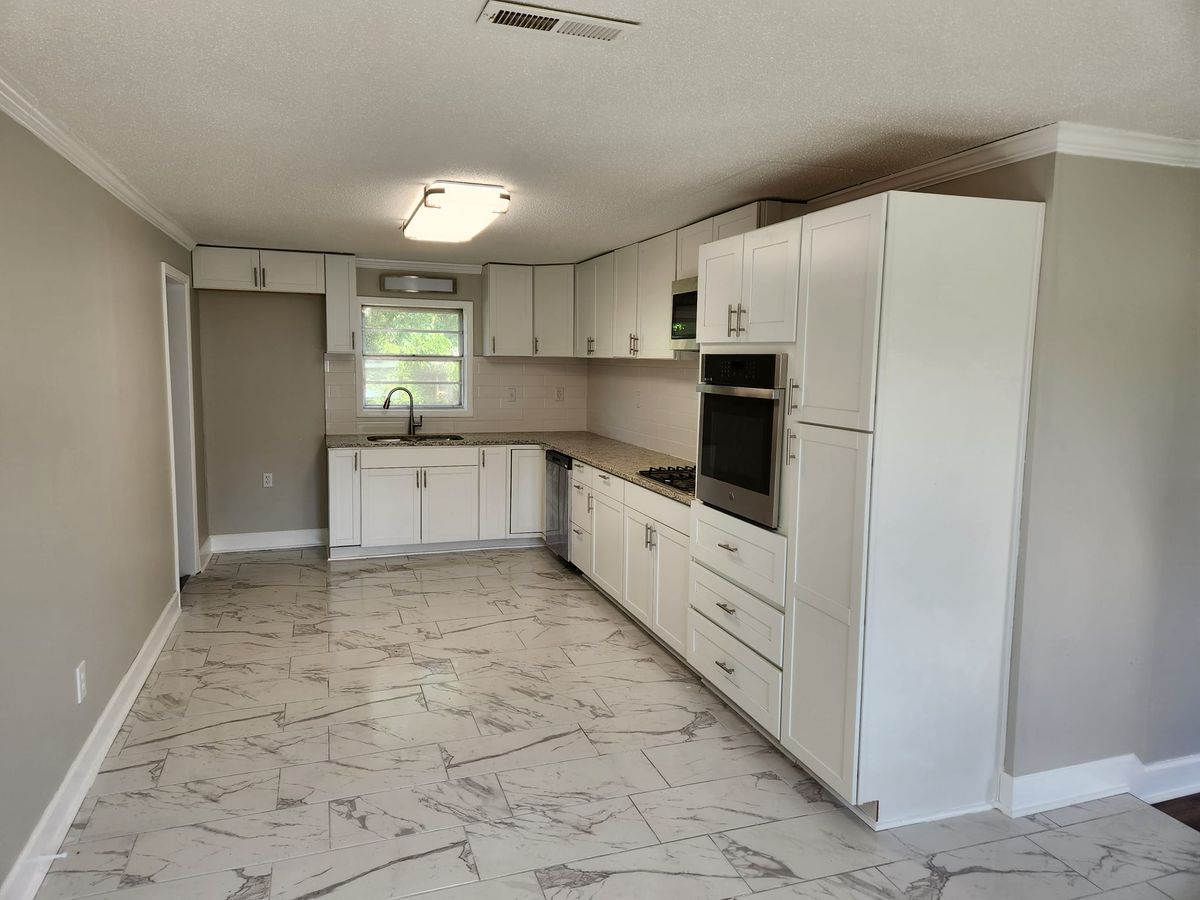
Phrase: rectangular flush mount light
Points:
(455, 211)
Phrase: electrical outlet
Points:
(81, 681)
(268, 479)
(560, 394)
(512, 394)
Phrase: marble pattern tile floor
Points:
(485, 726)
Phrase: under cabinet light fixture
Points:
(455, 211)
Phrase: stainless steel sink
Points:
(411, 438)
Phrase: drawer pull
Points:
(727, 609)
(729, 547)
(578, 531)
(605, 477)
(725, 667)
(578, 487)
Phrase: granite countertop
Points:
(615, 457)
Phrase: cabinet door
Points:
(289, 272)
(553, 310)
(608, 546)
(340, 291)
(841, 275)
(606, 301)
(449, 504)
(344, 514)
(823, 656)
(493, 492)
(225, 269)
(687, 247)
(735, 222)
(507, 310)
(585, 308)
(638, 594)
(719, 290)
(391, 507)
(671, 568)
(770, 283)
(580, 550)
(656, 271)
(527, 467)
(625, 304)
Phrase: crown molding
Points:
(410, 265)
(1068, 138)
(21, 108)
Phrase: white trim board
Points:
(20, 106)
(1069, 138)
(267, 540)
(206, 553)
(26, 875)
(412, 265)
(1041, 791)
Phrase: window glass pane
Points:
(423, 395)
(418, 349)
(412, 343)
(411, 319)
(402, 371)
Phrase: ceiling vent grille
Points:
(553, 21)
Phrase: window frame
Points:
(464, 307)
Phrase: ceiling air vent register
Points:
(553, 21)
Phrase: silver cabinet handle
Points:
(483, 459)
(647, 541)
(255, 271)
(741, 310)
(727, 609)
(418, 479)
(578, 531)
(605, 477)
(426, 477)
(578, 487)
(725, 667)
(591, 345)
(535, 345)
(589, 509)
(493, 343)
(352, 347)
(793, 386)
(653, 537)
(264, 276)
(729, 547)
(791, 436)
(729, 322)
(355, 460)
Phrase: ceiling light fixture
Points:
(455, 211)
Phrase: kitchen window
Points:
(422, 345)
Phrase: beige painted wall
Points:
(1104, 659)
(86, 530)
(263, 373)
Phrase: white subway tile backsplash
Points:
(651, 403)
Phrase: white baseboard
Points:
(268, 540)
(206, 553)
(26, 875)
(1055, 788)
(515, 543)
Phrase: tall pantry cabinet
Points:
(906, 422)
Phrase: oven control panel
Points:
(759, 370)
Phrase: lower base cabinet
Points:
(608, 557)
(656, 578)
(345, 516)
(450, 504)
(527, 488)
(391, 507)
(742, 675)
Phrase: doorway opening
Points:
(177, 332)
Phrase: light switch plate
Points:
(268, 479)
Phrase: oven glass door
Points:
(737, 442)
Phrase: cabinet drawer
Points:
(419, 457)
(748, 680)
(580, 549)
(580, 514)
(608, 485)
(749, 556)
(756, 624)
(581, 472)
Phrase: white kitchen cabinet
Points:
(820, 723)
(719, 290)
(345, 518)
(608, 546)
(289, 272)
(507, 310)
(341, 292)
(527, 466)
(553, 310)
(625, 302)
(579, 543)
(687, 247)
(638, 594)
(225, 268)
(655, 272)
(449, 504)
(770, 283)
(841, 280)
(736, 221)
(391, 507)
(493, 492)
(744, 677)
(670, 610)
(585, 308)
(606, 301)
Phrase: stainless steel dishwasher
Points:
(558, 503)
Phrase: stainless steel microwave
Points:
(742, 399)
(683, 314)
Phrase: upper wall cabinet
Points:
(655, 272)
(239, 269)
(625, 301)
(726, 225)
(585, 308)
(687, 247)
(507, 310)
(553, 310)
(340, 291)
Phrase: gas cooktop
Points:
(682, 478)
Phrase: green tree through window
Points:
(419, 349)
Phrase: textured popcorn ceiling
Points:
(296, 123)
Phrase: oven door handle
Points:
(727, 390)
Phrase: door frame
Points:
(176, 289)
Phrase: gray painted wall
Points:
(262, 358)
(1108, 600)
(86, 534)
